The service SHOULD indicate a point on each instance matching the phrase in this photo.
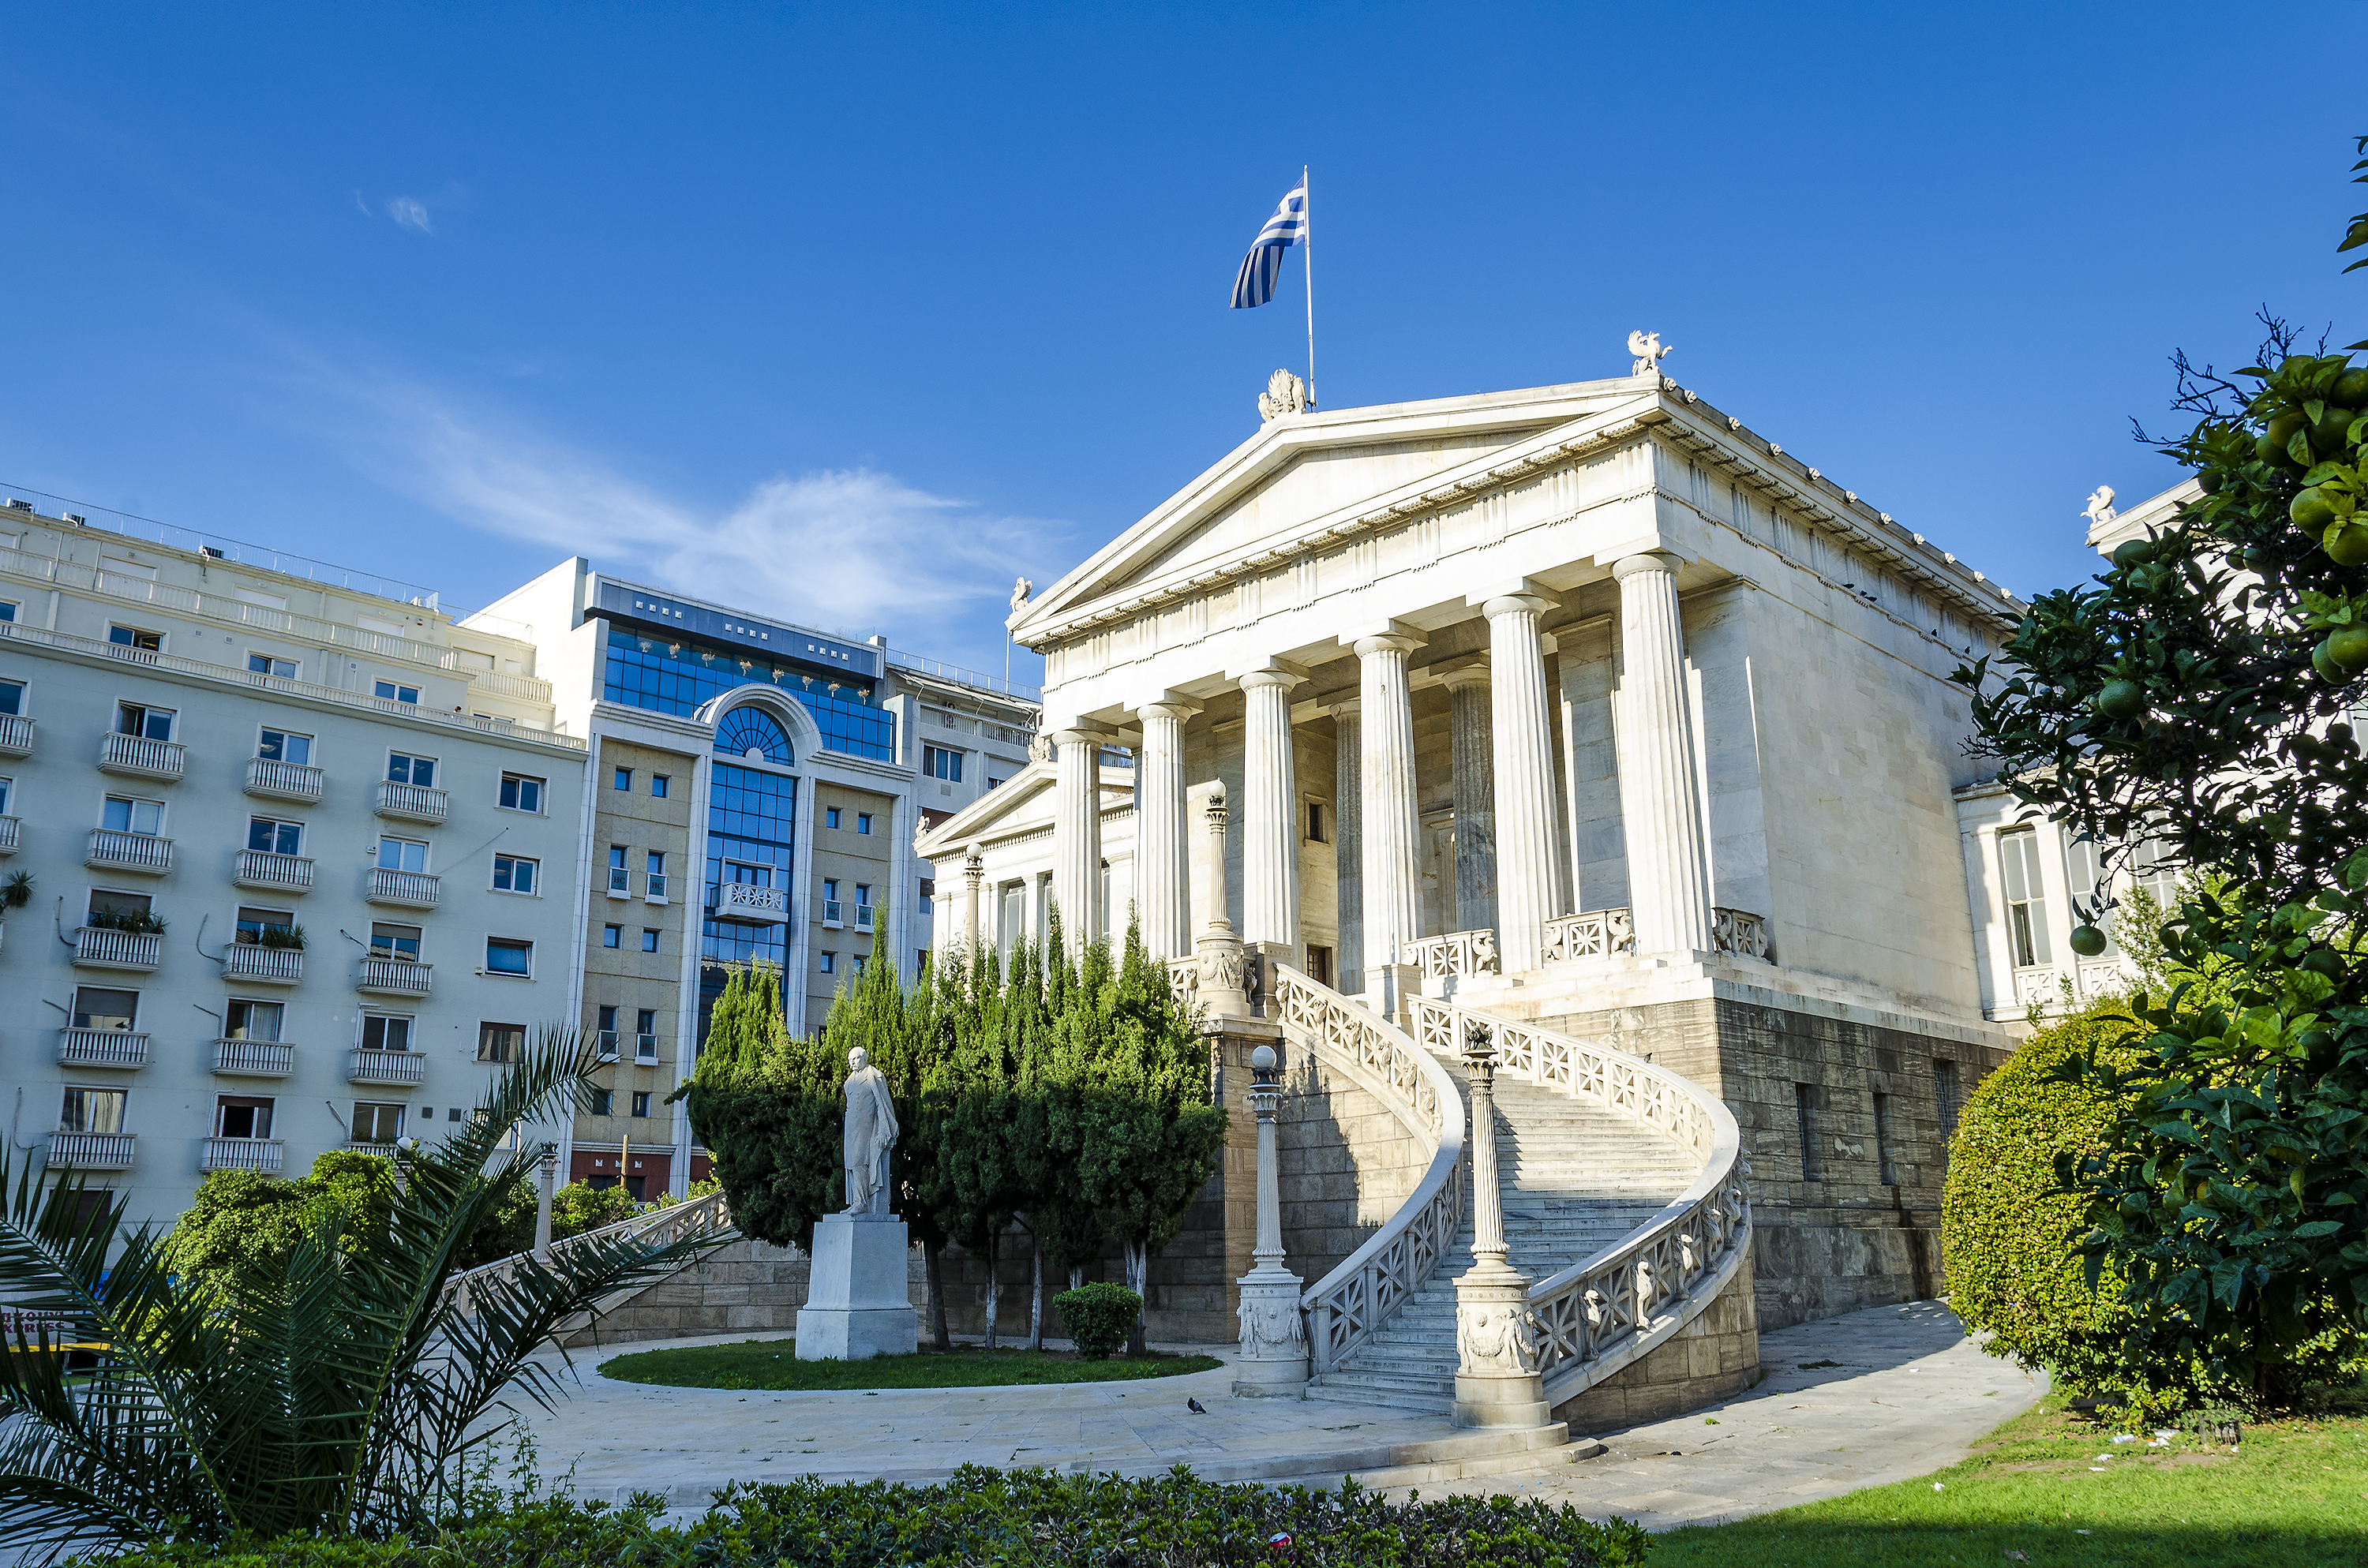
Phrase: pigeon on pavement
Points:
(1196, 1407)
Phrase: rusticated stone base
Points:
(1713, 1357)
(742, 1284)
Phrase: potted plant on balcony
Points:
(133, 922)
(17, 891)
(290, 938)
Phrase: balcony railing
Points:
(395, 977)
(15, 735)
(267, 966)
(744, 903)
(260, 1154)
(96, 947)
(254, 1058)
(645, 1048)
(112, 849)
(90, 1151)
(404, 890)
(137, 757)
(412, 803)
(864, 917)
(275, 780)
(9, 828)
(656, 893)
(278, 874)
(607, 1039)
(833, 914)
(1458, 953)
(102, 1048)
(621, 883)
(386, 1067)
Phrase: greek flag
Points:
(1254, 285)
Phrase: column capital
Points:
(1650, 560)
(1081, 734)
(1388, 642)
(1168, 706)
(1278, 674)
(1346, 707)
(1515, 604)
(1465, 676)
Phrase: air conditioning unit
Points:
(211, 553)
(77, 519)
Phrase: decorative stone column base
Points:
(1497, 1380)
(1273, 1362)
(859, 1303)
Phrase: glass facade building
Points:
(676, 676)
(751, 825)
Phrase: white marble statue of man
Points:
(871, 1132)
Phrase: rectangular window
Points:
(395, 691)
(377, 1122)
(649, 940)
(863, 822)
(122, 813)
(285, 745)
(386, 1031)
(937, 762)
(500, 1042)
(140, 719)
(402, 853)
(863, 892)
(521, 792)
(7, 787)
(656, 864)
(1884, 1171)
(640, 1102)
(830, 889)
(2087, 891)
(252, 1020)
(1944, 1095)
(119, 911)
(2154, 870)
(7, 606)
(266, 664)
(235, 1116)
(659, 784)
(1805, 1097)
(624, 780)
(12, 697)
(2026, 899)
(645, 1023)
(604, 1102)
(612, 935)
(858, 964)
(394, 941)
(136, 637)
(261, 927)
(508, 955)
(104, 1007)
(91, 1111)
(513, 873)
(417, 772)
(620, 881)
(830, 816)
(1316, 834)
(830, 963)
(607, 1025)
(274, 837)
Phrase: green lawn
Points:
(773, 1364)
(2294, 1493)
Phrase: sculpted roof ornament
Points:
(1646, 346)
(2100, 510)
(1285, 393)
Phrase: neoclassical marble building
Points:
(1580, 707)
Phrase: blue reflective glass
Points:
(746, 729)
(677, 677)
(751, 822)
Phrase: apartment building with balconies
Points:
(293, 858)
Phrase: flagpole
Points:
(1307, 242)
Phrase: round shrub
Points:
(1099, 1316)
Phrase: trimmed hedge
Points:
(1100, 1316)
(1028, 1517)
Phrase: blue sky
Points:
(849, 314)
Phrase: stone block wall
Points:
(1713, 1357)
(743, 1284)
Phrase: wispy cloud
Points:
(409, 213)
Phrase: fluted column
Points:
(1270, 815)
(1348, 841)
(1521, 738)
(1392, 822)
(1474, 801)
(1669, 865)
(1078, 838)
(973, 877)
(1162, 882)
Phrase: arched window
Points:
(745, 729)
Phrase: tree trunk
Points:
(933, 1265)
(1036, 1295)
(1138, 1277)
(994, 1283)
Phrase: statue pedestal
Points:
(859, 1303)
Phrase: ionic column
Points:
(1528, 857)
(1392, 822)
(1270, 815)
(1162, 881)
(1078, 838)
(1476, 802)
(1347, 839)
(1668, 865)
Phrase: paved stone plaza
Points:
(1908, 1396)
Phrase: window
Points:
(863, 822)
(620, 881)
(255, 924)
(859, 965)
(830, 963)
(252, 1020)
(394, 941)
(265, 665)
(753, 732)
(274, 837)
(513, 873)
(863, 894)
(1804, 1106)
(7, 606)
(2086, 889)
(612, 935)
(521, 792)
(453, 1114)
(1316, 834)
(645, 1032)
(285, 745)
(1944, 1095)
(148, 723)
(395, 691)
(500, 1042)
(386, 1031)
(1319, 964)
(604, 1102)
(1885, 1172)
(656, 867)
(937, 762)
(607, 1025)
(640, 1102)
(402, 853)
(6, 787)
(238, 1117)
(830, 816)
(830, 889)
(2154, 870)
(135, 637)
(624, 779)
(2026, 900)
(122, 911)
(419, 771)
(91, 1111)
(658, 782)
(104, 1007)
(509, 955)
(122, 813)
(12, 697)
(649, 940)
(375, 1122)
